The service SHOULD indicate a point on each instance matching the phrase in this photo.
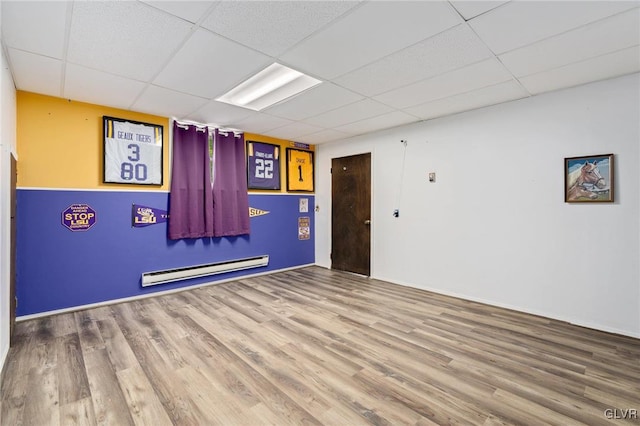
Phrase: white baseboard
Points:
(573, 321)
(154, 294)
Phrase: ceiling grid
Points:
(382, 63)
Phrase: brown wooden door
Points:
(12, 266)
(351, 214)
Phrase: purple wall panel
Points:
(58, 268)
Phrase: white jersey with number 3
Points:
(133, 153)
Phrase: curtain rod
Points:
(185, 125)
(226, 133)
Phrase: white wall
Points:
(495, 227)
(7, 146)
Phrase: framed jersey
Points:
(299, 170)
(132, 152)
(263, 166)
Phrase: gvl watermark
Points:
(621, 413)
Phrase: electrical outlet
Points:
(396, 213)
(432, 177)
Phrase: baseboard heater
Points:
(176, 274)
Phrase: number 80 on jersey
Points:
(132, 152)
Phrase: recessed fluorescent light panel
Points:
(270, 86)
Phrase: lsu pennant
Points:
(145, 216)
(253, 212)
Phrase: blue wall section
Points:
(58, 268)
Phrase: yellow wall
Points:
(60, 143)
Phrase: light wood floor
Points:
(314, 346)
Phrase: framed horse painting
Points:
(588, 179)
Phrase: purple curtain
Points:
(191, 198)
(230, 197)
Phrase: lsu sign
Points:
(78, 217)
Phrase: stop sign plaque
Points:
(79, 217)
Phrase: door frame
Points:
(372, 210)
(13, 225)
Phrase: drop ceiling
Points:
(382, 63)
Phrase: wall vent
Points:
(176, 274)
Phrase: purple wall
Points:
(58, 268)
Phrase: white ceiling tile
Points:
(167, 103)
(369, 32)
(486, 96)
(328, 135)
(293, 131)
(476, 76)
(615, 64)
(219, 113)
(321, 98)
(519, 23)
(36, 73)
(385, 121)
(349, 113)
(259, 123)
(87, 85)
(451, 49)
(35, 26)
(471, 9)
(602, 37)
(188, 10)
(126, 38)
(209, 65)
(396, 54)
(273, 26)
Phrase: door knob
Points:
(367, 222)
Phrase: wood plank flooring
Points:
(314, 346)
